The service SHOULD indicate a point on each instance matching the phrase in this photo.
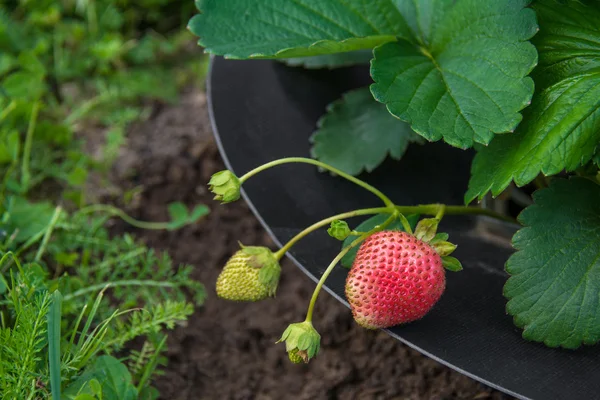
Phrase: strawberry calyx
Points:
(270, 270)
(426, 231)
(302, 341)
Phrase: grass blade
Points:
(54, 316)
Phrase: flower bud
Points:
(339, 230)
(226, 186)
(302, 341)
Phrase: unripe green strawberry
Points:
(295, 357)
(251, 274)
(395, 278)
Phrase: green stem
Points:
(25, 174)
(127, 282)
(438, 210)
(383, 197)
(365, 211)
(342, 253)
(440, 214)
(116, 212)
(434, 209)
(48, 233)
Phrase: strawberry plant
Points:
(517, 80)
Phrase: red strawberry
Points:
(396, 278)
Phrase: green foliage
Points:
(463, 77)
(554, 286)
(369, 224)
(107, 378)
(463, 81)
(301, 28)
(72, 295)
(357, 133)
(561, 129)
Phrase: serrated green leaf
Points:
(331, 61)
(369, 224)
(357, 133)
(461, 75)
(561, 129)
(554, 288)
(294, 28)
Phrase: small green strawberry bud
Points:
(251, 274)
(339, 230)
(301, 341)
(226, 186)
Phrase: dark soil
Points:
(227, 350)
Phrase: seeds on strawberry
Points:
(396, 278)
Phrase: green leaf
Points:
(331, 61)
(461, 75)
(357, 133)
(9, 146)
(24, 85)
(451, 264)
(180, 217)
(27, 219)
(554, 288)
(149, 393)
(113, 376)
(54, 318)
(198, 212)
(439, 237)
(294, 28)
(443, 248)
(561, 129)
(369, 224)
(77, 176)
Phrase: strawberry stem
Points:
(442, 209)
(440, 214)
(365, 211)
(337, 259)
(363, 184)
(437, 210)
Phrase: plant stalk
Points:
(364, 185)
(437, 210)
